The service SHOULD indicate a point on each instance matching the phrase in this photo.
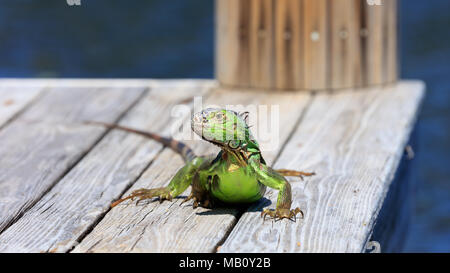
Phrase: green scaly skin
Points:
(238, 174)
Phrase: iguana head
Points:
(223, 127)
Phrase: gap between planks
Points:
(14, 100)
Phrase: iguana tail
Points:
(179, 147)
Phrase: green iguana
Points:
(238, 174)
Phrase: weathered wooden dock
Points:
(59, 176)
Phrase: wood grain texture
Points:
(354, 141)
(261, 44)
(394, 218)
(345, 44)
(45, 141)
(316, 42)
(14, 99)
(168, 227)
(81, 197)
(289, 55)
(392, 56)
(229, 37)
(375, 44)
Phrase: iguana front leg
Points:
(273, 179)
(179, 183)
(199, 194)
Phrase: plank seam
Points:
(102, 215)
(239, 214)
(297, 124)
(40, 94)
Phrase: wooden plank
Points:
(14, 99)
(345, 42)
(47, 139)
(354, 141)
(394, 218)
(231, 62)
(78, 201)
(375, 45)
(243, 41)
(390, 37)
(288, 44)
(168, 227)
(316, 44)
(261, 44)
(361, 8)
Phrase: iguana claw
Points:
(197, 202)
(142, 194)
(281, 213)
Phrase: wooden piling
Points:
(306, 44)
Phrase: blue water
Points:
(425, 46)
(174, 39)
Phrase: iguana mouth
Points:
(199, 126)
(199, 129)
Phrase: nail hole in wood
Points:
(315, 36)
(287, 35)
(343, 34)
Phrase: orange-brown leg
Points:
(142, 194)
(285, 172)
